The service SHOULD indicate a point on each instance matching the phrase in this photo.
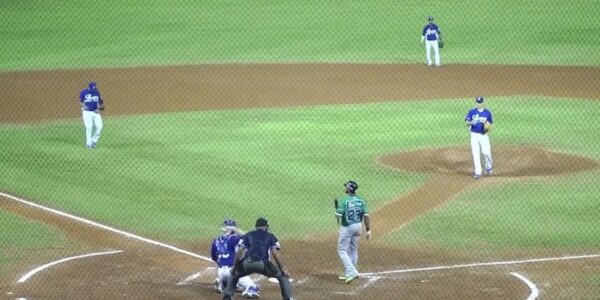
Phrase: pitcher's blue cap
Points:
(430, 18)
(479, 99)
(92, 85)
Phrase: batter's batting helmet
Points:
(479, 99)
(92, 85)
(229, 222)
(351, 185)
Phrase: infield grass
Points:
(39, 34)
(21, 236)
(175, 176)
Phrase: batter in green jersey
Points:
(351, 211)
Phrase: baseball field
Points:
(247, 109)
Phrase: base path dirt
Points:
(145, 271)
(46, 95)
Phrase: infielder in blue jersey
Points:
(351, 211)
(222, 252)
(91, 105)
(431, 36)
(480, 121)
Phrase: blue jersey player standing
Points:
(222, 252)
(91, 105)
(431, 36)
(480, 121)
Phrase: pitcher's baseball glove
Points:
(441, 44)
(487, 126)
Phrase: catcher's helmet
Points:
(229, 222)
(351, 186)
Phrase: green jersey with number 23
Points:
(351, 209)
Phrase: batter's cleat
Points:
(342, 278)
(489, 171)
(476, 176)
(350, 279)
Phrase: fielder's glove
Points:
(486, 127)
(441, 44)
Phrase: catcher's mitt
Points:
(441, 44)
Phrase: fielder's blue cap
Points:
(430, 18)
(92, 85)
(229, 222)
(479, 99)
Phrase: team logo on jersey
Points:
(90, 98)
(479, 119)
(355, 204)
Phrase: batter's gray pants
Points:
(348, 248)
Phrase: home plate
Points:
(274, 280)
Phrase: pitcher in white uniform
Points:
(480, 121)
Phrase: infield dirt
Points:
(144, 271)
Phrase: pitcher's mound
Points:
(509, 161)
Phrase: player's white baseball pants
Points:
(348, 248)
(480, 144)
(436, 51)
(90, 119)
(223, 274)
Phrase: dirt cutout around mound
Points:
(451, 170)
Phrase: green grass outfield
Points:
(175, 176)
(40, 34)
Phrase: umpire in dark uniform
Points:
(255, 248)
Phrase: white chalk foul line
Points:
(473, 265)
(48, 265)
(371, 280)
(534, 290)
(107, 228)
(193, 277)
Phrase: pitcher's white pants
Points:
(480, 144)
(348, 248)
(90, 119)
(436, 52)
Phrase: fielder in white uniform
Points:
(431, 35)
(91, 105)
(480, 121)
